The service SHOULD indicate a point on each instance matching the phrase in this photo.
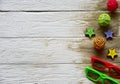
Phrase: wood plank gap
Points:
(55, 11)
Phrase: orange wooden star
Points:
(112, 53)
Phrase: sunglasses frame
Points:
(102, 76)
(107, 65)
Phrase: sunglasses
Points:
(101, 65)
(96, 76)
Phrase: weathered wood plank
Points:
(33, 50)
(43, 74)
(52, 24)
(64, 50)
(52, 5)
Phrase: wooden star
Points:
(109, 34)
(90, 32)
(112, 53)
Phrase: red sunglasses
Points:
(101, 65)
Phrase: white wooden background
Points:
(43, 42)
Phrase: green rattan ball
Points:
(104, 20)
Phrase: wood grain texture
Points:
(52, 5)
(43, 42)
(47, 5)
(43, 74)
(56, 50)
(52, 24)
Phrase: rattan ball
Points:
(104, 20)
(99, 43)
(112, 5)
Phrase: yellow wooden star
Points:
(112, 53)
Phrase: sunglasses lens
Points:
(99, 64)
(114, 72)
(107, 81)
(93, 75)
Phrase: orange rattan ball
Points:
(99, 43)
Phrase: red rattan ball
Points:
(112, 5)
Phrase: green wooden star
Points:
(90, 32)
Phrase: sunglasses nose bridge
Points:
(102, 76)
(107, 68)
